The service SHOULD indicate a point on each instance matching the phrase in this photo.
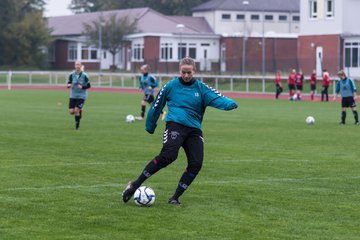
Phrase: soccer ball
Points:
(144, 196)
(310, 120)
(130, 118)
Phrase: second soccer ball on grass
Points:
(310, 120)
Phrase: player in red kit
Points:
(299, 80)
(291, 84)
(278, 84)
(325, 86)
(313, 81)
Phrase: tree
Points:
(24, 33)
(113, 34)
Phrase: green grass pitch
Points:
(266, 174)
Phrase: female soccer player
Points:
(291, 84)
(325, 86)
(313, 81)
(147, 83)
(278, 84)
(187, 99)
(299, 81)
(347, 88)
(79, 82)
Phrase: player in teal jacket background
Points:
(147, 83)
(347, 87)
(79, 83)
(186, 99)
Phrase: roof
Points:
(149, 21)
(253, 5)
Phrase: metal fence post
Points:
(30, 78)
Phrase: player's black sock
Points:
(149, 170)
(77, 121)
(80, 113)
(185, 181)
(356, 116)
(343, 117)
(143, 111)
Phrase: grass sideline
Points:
(266, 174)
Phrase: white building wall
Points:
(350, 15)
(321, 25)
(233, 26)
(212, 46)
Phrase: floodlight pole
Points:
(245, 3)
(263, 47)
(180, 27)
(100, 47)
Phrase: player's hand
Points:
(149, 87)
(68, 85)
(334, 99)
(79, 86)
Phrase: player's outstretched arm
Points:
(155, 110)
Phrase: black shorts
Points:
(76, 103)
(148, 98)
(291, 86)
(299, 87)
(192, 141)
(348, 102)
(313, 87)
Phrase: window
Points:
(329, 8)
(352, 57)
(313, 8)
(166, 51)
(296, 18)
(225, 16)
(84, 52)
(72, 52)
(255, 17)
(181, 50)
(192, 50)
(355, 57)
(347, 57)
(269, 17)
(138, 52)
(240, 17)
(282, 18)
(93, 53)
(89, 53)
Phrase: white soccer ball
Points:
(144, 196)
(310, 120)
(130, 118)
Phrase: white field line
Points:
(220, 182)
(142, 162)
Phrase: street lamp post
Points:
(100, 47)
(245, 3)
(263, 47)
(180, 27)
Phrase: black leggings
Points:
(324, 92)
(176, 136)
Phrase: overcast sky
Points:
(57, 8)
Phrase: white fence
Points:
(233, 83)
